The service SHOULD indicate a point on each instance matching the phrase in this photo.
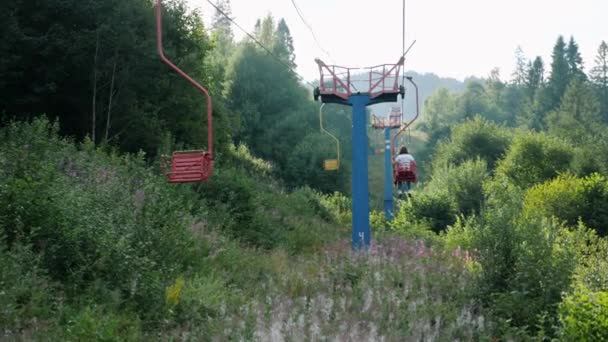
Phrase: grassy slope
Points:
(97, 246)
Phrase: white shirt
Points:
(404, 159)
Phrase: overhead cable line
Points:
(403, 54)
(290, 68)
(314, 36)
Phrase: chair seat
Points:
(190, 167)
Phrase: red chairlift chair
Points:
(193, 165)
(394, 117)
(407, 173)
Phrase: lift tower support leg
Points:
(388, 175)
(360, 187)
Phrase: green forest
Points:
(503, 240)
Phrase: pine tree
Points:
(535, 77)
(578, 116)
(222, 28)
(599, 77)
(521, 67)
(560, 76)
(266, 31)
(283, 45)
(575, 61)
(257, 28)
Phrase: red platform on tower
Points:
(338, 83)
(394, 119)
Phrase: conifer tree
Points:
(283, 45)
(559, 78)
(575, 61)
(578, 116)
(599, 77)
(222, 28)
(521, 67)
(535, 77)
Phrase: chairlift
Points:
(330, 164)
(190, 166)
(405, 173)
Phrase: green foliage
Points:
(99, 228)
(444, 110)
(534, 78)
(95, 246)
(578, 115)
(599, 78)
(435, 210)
(440, 112)
(572, 199)
(248, 209)
(27, 294)
(56, 197)
(525, 262)
(305, 164)
(463, 184)
(476, 138)
(534, 158)
(584, 315)
(461, 233)
(93, 322)
(560, 75)
(96, 69)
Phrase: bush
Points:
(435, 210)
(525, 262)
(232, 196)
(463, 184)
(339, 207)
(584, 316)
(255, 211)
(97, 221)
(474, 139)
(96, 323)
(460, 235)
(569, 199)
(534, 158)
(26, 295)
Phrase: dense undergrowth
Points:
(534, 220)
(95, 245)
(93, 240)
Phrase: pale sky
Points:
(455, 38)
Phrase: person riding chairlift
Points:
(405, 171)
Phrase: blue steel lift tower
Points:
(393, 122)
(337, 86)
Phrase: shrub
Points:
(339, 206)
(534, 158)
(526, 261)
(233, 194)
(474, 139)
(569, 199)
(463, 184)
(584, 315)
(96, 323)
(460, 235)
(433, 209)
(26, 295)
(97, 221)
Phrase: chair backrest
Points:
(407, 167)
(190, 166)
